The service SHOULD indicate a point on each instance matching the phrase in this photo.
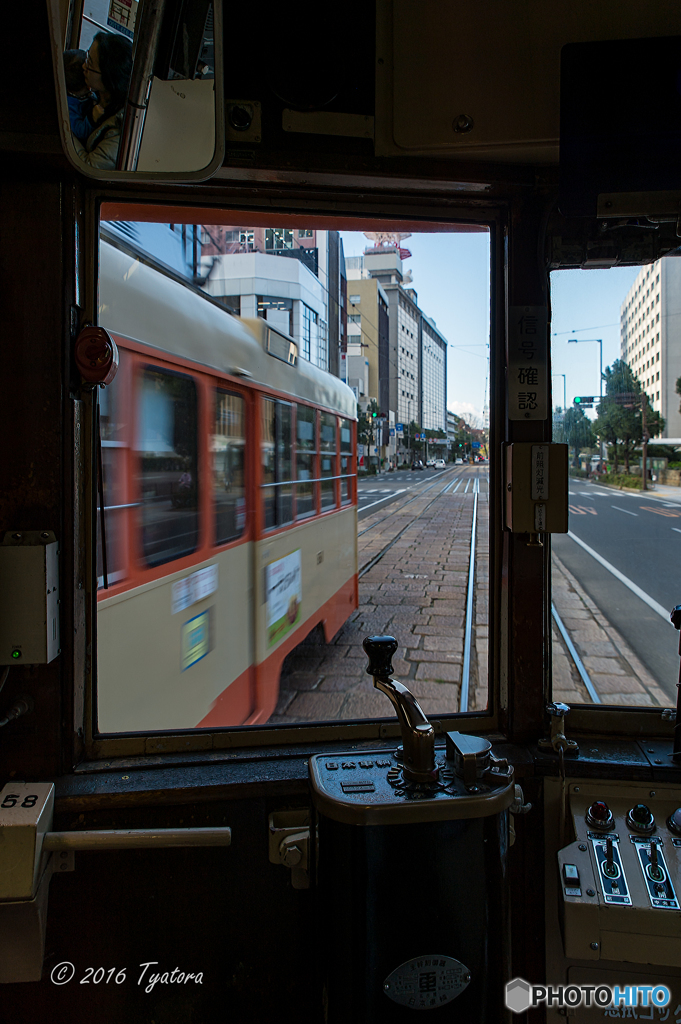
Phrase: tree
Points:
(619, 424)
(365, 423)
(575, 430)
(678, 389)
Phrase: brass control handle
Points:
(136, 838)
(418, 735)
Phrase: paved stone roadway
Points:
(417, 593)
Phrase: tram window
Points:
(315, 435)
(614, 575)
(167, 461)
(275, 439)
(327, 444)
(306, 456)
(228, 443)
(345, 459)
(114, 450)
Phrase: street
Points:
(614, 574)
(639, 537)
(376, 492)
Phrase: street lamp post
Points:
(598, 341)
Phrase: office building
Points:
(292, 277)
(650, 325)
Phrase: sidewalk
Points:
(664, 491)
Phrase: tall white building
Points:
(650, 327)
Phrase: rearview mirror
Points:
(139, 87)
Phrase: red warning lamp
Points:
(96, 355)
(600, 816)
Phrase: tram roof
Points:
(153, 308)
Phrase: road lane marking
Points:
(581, 510)
(635, 589)
(625, 510)
(660, 511)
(676, 529)
(457, 486)
(379, 500)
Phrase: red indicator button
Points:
(599, 816)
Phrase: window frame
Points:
(491, 214)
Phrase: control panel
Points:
(467, 781)
(621, 877)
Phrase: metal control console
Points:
(372, 788)
(621, 876)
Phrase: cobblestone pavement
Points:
(417, 593)
(615, 671)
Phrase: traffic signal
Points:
(585, 401)
(374, 415)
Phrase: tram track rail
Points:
(384, 550)
(576, 660)
(462, 483)
(404, 504)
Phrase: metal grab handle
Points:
(136, 838)
(418, 735)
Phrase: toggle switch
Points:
(655, 871)
(609, 867)
(641, 819)
(600, 816)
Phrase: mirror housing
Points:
(176, 132)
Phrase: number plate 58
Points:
(26, 810)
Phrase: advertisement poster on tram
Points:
(283, 596)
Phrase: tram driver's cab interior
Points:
(287, 730)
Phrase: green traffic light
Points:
(578, 401)
(16, 654)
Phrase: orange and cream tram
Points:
(230, 506)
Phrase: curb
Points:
(629, 490)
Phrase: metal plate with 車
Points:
(427, 982)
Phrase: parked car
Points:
(458, 462)
(439, 464)
(417, 465)
(430, 463)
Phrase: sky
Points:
(585, 304)
(451, 277)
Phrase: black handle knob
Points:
(379, 650)
(675, 616)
